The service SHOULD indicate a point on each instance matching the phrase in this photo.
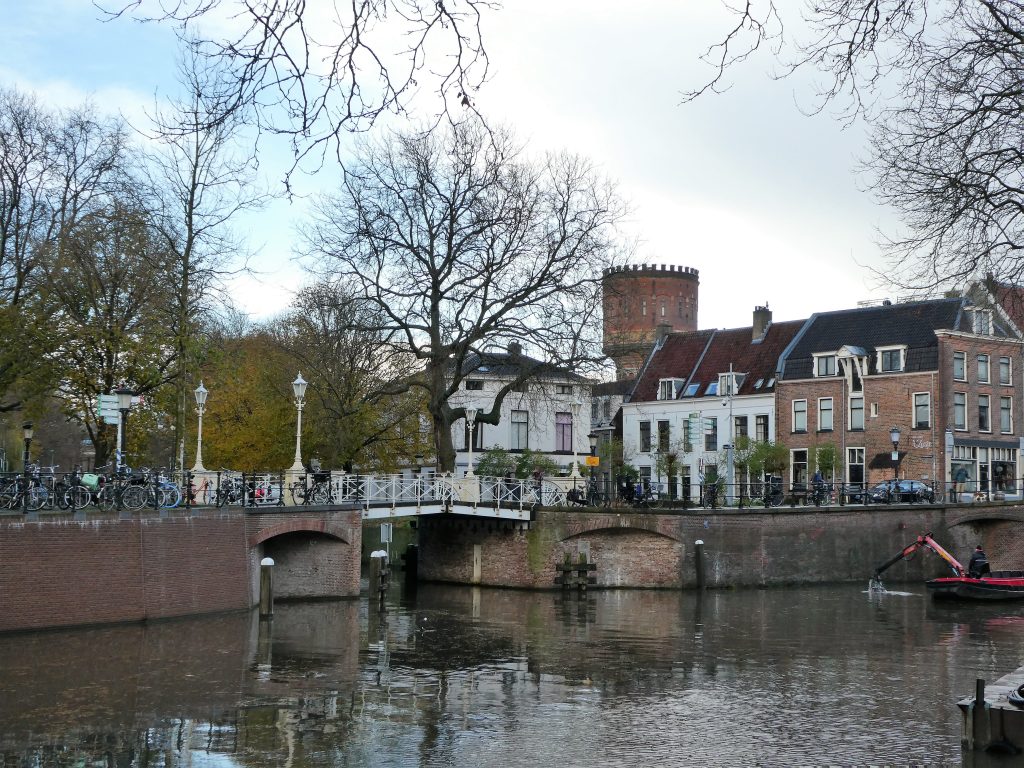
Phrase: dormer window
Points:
(669, 389)
(712, 389)
(691, 390)
(979, 321)
(474, 385)
(824, 365)
(729, 383)
(891, 359)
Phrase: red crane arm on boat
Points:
(927, 542)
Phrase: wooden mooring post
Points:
(577, 574)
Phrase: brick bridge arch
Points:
(612, 524)
(326, 527)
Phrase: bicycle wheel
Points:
(9, 495)
(298, 492)
(170, 495)
(134, 498)
(37, 497)
(76, 497)
(321, 493)
(106, 499)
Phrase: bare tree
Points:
(201, 179)
(459, 242)
(314, 72)
(54, 167)
(361, 409)
(940, 83)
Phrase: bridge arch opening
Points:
(307, 564)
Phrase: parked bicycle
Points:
(319, 492)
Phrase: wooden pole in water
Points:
(267, 588)
(698, 561)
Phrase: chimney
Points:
(762, 319)
(515, 349)
(661, 332)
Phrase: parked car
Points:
(901, 491)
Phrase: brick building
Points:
(945, 372)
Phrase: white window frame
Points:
(988, 368)
(959, 361)
(1006, 363)
(822, 411)
(825, 357)
(988, 407)
(669, 389)
(901, 348)
(514, 431)
(794, 413)
(960, 425)
(855, 457)
(852, 420)
(928, 409)
(1006, 409)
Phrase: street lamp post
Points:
(200, 393)
(27, 433)
(124, 402)
(592, 437)
(577, 408)
(894, 435)
(299, 390)
(470, 423)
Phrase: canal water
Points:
(460, 676)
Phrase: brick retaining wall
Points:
(59, 571)
(741, 549)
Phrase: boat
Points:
(962, 585)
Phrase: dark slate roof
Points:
(1011, 299)
(611, 388)
(912, 324)
(507, 365)
(700, 356)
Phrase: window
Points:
(643, 307)
(563, 431)
(739, 426)
(798, 462)
(730, 383)
(874, 410)
(960, 366)
(890, 359)
(824, 414)
(855, 465)
(520, 387)
(645, 436)
(1006, 415)
(712, 389)
(662, 307)
(981, 321)
(594, 410)
(761, 428)
(758, 383)
(922, 410)
(983, 369)
(669, 389)
(663, 436)
(691, 390)
(520, 440)
(799, 415)
(606, 408)
(960, 410)
(824, 365)
(474, 385)
(984, 417)
(1005, 371)
(563, 389)
(856, 413)
(711, 434)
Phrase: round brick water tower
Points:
(642, 301)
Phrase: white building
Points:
(548, 413)
(697, 393)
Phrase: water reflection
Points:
(453, 676)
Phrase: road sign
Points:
(593, 461)
(385, 533)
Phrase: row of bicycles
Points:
(43, 488)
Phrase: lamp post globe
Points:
(200, 392)
(577, 409)
(27, 433)
(299, 390)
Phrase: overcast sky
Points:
(762, 200)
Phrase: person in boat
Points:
(978, 565)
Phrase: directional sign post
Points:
(108, 410)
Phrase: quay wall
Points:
(64, 570)
(783, 546)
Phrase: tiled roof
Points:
(507, 366)
(1011, 299)
(701, 356)
(912, 324)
